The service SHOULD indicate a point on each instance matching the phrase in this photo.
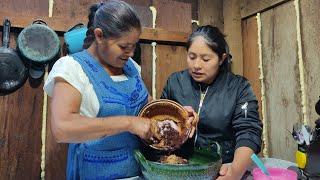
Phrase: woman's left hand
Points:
(192, 120)
(226, 173)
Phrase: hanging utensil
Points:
(12, 70)
(39, 45)
(74, 38)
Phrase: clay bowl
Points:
(160, 112)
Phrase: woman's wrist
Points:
(236, 172)
(129, 125)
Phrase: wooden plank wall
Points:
(20, 130)
(310, 30)
(251, 7)
(279, 52)
(56, 153)
(282, 86)
(226, 16)
(21, 111)
(71, 15)
(25, 8)
(171, 58)
(232, 29)
(251, 56)
(281, 68)
(211, 12)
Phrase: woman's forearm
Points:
(69, 126)
(76, 128)
(241, 160)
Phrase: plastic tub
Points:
(275, 174)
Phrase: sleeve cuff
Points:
(248, 143)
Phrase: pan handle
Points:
(6, 33)
(39, 21)
(77, 26)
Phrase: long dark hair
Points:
(215, 39)
(115, 18)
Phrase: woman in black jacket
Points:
(226, 104)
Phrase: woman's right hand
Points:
(141, 127)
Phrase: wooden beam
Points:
(251, 7)
(57, 23)
(163, 35)
(148, 34)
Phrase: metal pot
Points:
(39, 45)
(74, 38)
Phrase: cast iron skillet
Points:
(13, 73)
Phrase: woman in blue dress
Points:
(96, 95)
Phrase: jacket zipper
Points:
(202, 96)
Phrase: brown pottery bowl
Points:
(160, 112)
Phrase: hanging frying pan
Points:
(39, 45)
(12, 70)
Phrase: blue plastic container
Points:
(74, 38)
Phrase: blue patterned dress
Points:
(110, 157)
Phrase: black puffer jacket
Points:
(222, 116)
